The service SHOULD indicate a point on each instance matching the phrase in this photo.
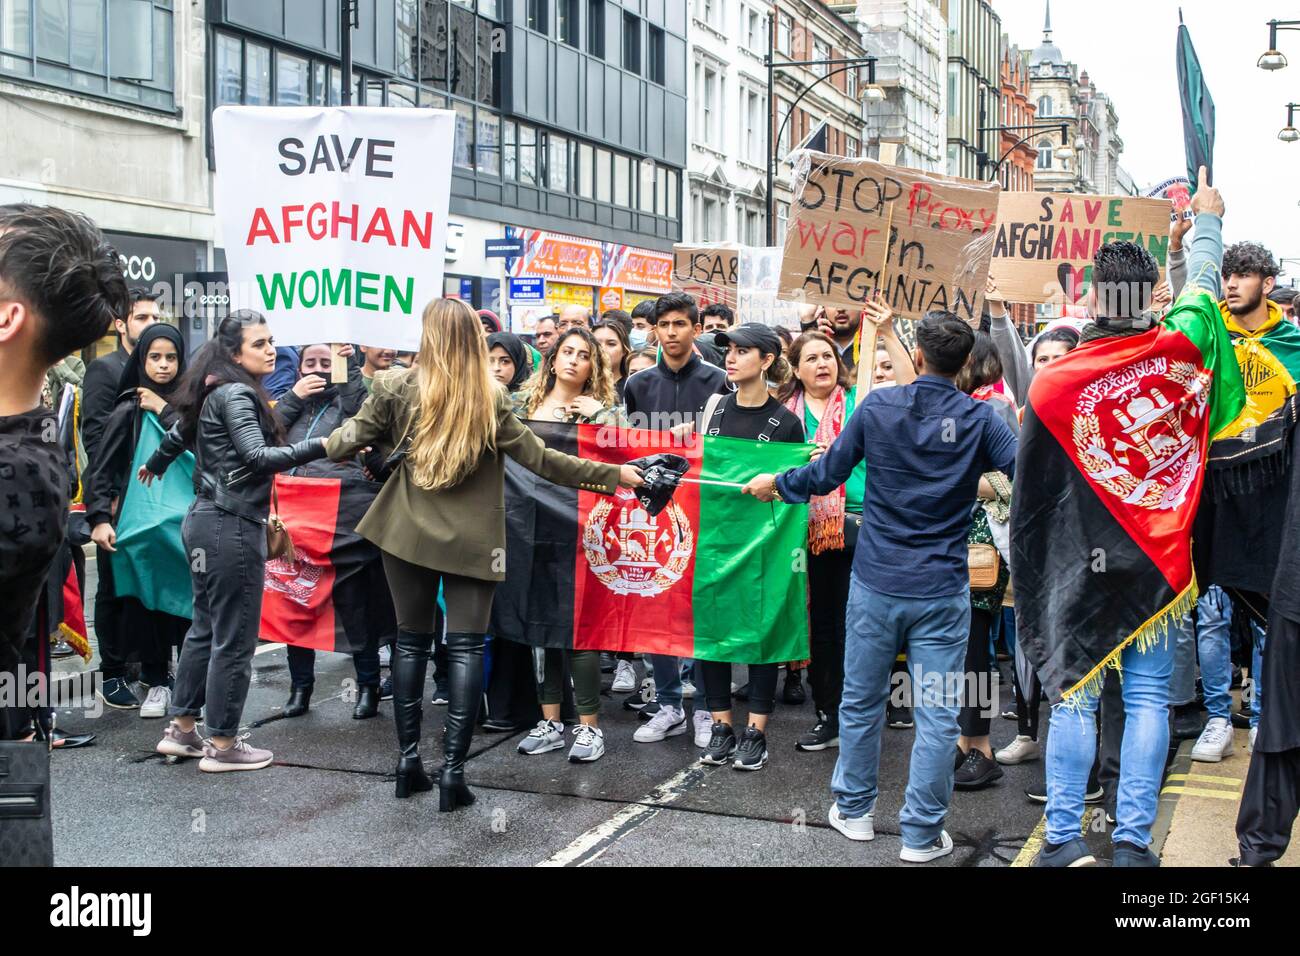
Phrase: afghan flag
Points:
(1198, 110)
(716, 575)
(1112, 458)
(302, 599)
(150, 563)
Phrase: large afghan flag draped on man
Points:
(716, 575)
(1112, 458)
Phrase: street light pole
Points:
(348, 13)
(1035, 127)
(771, 122)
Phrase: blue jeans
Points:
(1256, 675)
(1072, 745)
(1214, 644)
(668, 679)
(934, 630)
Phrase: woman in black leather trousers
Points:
(224, 416)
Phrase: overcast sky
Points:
(1128, 49)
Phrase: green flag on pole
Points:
(1198, 110)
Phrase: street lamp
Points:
(1064, 150)
(1272, 58)
(1289, 134)
(872, 93)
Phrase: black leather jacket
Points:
(234, 466)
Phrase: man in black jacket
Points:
(99, 395)
(60, 287)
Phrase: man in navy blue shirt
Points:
(926, 445)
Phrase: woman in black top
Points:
(753, 357)
(148, 381)
(509, 360)
(224, 416)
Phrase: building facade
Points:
(1016, 144)
(974, 84)
(910, 43)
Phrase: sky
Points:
(1128, 49)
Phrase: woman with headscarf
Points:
(145, 388)
(313, 408)
(509, 360)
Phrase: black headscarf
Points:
(133, 375)
(518, 353)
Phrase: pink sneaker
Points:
(239, 756)
(177, 743)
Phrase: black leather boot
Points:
(410, 664)
(299, 701)
(367, 702)
(465, 680)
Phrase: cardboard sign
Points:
(1045, 242)
(334, 220)
(856, 226)
(708, 272)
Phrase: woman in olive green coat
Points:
(440, 519)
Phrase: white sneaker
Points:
(688, 690)
(548, 735)
(1250, 741)
(386, 655)
(156, 701)
(1021, 750)
(588, 744)
(861, 829)
(1215, 741)
(703, 728)
(624, 678)
(940, 847)
(669, 722)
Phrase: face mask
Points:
(638, 338)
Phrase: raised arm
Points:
(517, 440)
(239, 414)
(822, 476)
(1205, 257)
(371, 423)
(1017, 368)
(169, 449)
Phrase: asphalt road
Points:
(328, 798)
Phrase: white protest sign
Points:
(334, 220)
(758, 275)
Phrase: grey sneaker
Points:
(238, 756)
(177, 743)
(156, 701)
(588, 744)
(548, 735)
(624, 678)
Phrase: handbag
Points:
(26, 834)
(279, 543)
(983, 563)
(852, 525)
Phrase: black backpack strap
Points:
(770, 428)
(712, 420)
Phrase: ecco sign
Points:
(139, 268)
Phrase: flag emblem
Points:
(1135, 442)
(295, 579)
(638, 540)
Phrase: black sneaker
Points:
(646, 711)
(116, 693)
(751, 753)
(1241, 718)
(722, 745)
(825, 734)
(441, 693)
(899, 718)
(639, 698)
(741, 693)
(1094, 794)
(386, 689)
(976, 772)
(1189, 721)
(606, 662)
(793, 693)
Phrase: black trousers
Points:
(974, 717)
(1027, 705)
(415, 597)
(109, 634)
(716, 676)
(1269, 805)
(828, 600)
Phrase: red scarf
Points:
(825, 512)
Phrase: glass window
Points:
(86, 30)
(661, 193)
(230, 72)
(647, 194)
(785, 33)
(655, 55)
(509, 142)
(821, 51)
(257, 74)
(434, 27)
(291, 79)
(557, 162)
(586, 170)
(408, 38)
(622, 181)
(566, 21)
(604, 192)
(488, 146)
(1044, 160)
(537, 15)
(371, 92)
(483, 63)
(528, 155)
(464, 26)
(491, 8)
(596, 28)
(671, 204)
(631, 43)
(1044, 106)
(15, 27)
(463, 153)
(52, 30)
(402, 94)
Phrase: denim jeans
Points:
(877, 627)
(668, 679)
(1214, 645)
(1072, 747)
(1257, 674)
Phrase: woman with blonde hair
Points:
(440, 519)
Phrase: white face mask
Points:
(638, 338)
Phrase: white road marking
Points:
(268, 648)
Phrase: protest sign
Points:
(1178, 191)
(758, 276)
(334, 220)
(1045, 242)
(708, 272)
(856, 226)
